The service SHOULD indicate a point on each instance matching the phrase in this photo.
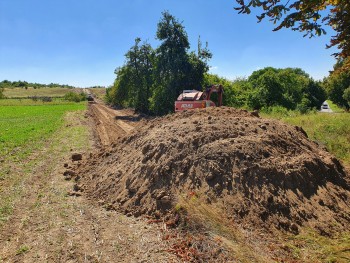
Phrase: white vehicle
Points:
(325, 106)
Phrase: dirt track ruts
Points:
(107, 127)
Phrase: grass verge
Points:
(330, 130)
(312, 247)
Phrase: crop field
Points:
(24, 126)
(24, 93)
(331, 130)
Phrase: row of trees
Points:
(151, 79)
(291, 88)
(25, 84)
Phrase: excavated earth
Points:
(261, 172)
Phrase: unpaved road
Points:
(49, 225)
(107, 125)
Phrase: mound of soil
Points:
(262, 172)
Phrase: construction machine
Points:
(194, 99)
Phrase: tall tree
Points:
(172, 63)
(176, 69)
(120, 93)
(139, 63)
(132, 86)
(308, 16)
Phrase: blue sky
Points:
(82, 42)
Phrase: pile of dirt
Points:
(263, 173)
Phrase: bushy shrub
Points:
(46, 99)
(76, 97)
(43, 99)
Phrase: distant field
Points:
(24, 93)
(23, 127)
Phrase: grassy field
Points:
(24, 126)
(28, 135)
(329, 129)
(24, 93)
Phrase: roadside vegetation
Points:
(26, 85)
(329, 130)
(31, 92)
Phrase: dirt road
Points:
(107, 122)
(50, 225)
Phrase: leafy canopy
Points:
(151, 79)
(337, 85)
(308, 16)
(288, 88)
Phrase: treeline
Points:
(290, 88)
(25, 84)
(151, 79)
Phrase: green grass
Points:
(24, 127)
(30, 102)
(22, 249)
(329, 129)
(312, 247)
(31, 135)
(334, 107)
(24, 93)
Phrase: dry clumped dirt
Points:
(262, 173)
